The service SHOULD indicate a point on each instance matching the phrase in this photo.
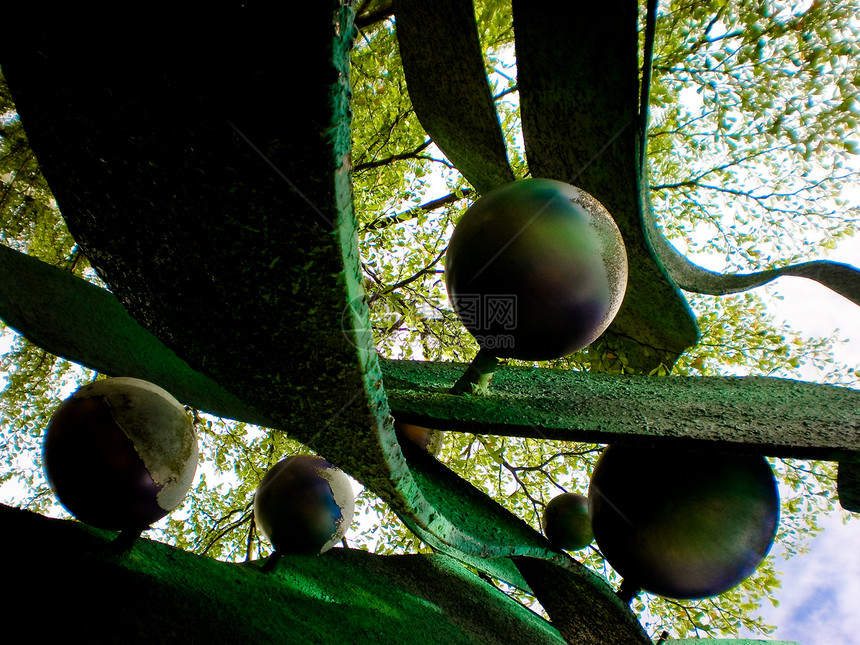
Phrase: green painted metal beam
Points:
(448, 87)
(776, 417)
(159, 594)
(561, 592)
(81, 322)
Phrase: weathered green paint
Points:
(775, 417)
(560, 591)
(448, 87)
(79, 321)
(159, 594)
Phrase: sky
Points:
(820, 595)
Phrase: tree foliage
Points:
(753, 106)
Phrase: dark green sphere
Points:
(120, 453)
(683, 524)
(566, 522)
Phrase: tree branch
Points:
(247, 514)
(412, 213)
(425, 271)
(413, 154)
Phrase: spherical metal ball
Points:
(683, 524)
(304, 505)
(566, 522)
(120, 453)
(536, 269)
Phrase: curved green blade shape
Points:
(844, 279)
(81, 322)
(579, 103)
(448, 87)
(160, 594)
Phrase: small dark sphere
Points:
(680, 524)
(566, 522)
(304, 505)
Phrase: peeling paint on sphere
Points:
(536, 269)
(304, 505)
(120, 453)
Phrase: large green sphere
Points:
(683, 524)
(120, 453)
(536, 269)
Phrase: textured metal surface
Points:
(77, 320)
(159, 594)
(444, 67)
(225, 229)
(757, 415)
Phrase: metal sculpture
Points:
(223, 224)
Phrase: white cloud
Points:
(820, 595)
